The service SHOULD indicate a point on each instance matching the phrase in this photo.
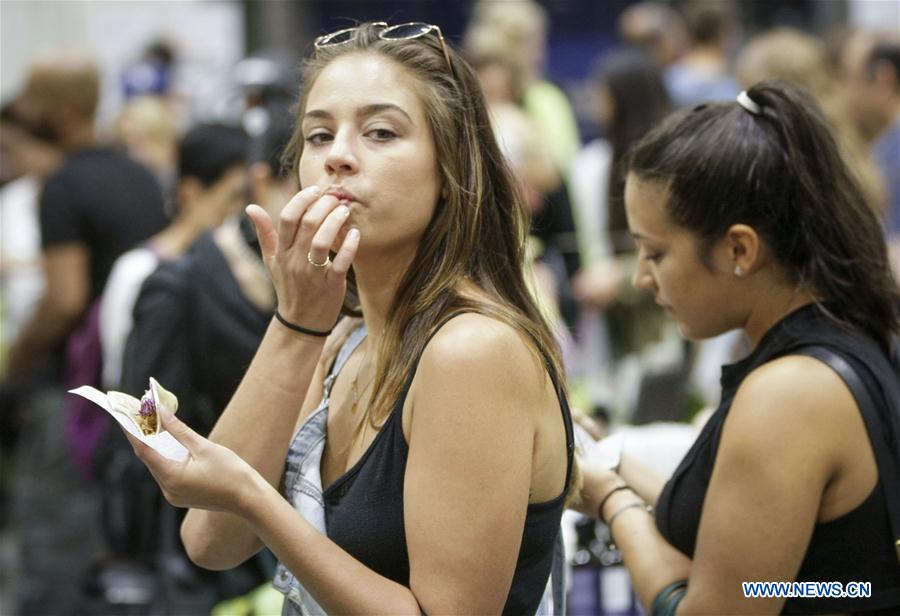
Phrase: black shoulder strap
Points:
(888, 466)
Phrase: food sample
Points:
(144, 412)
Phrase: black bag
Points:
(147, 573)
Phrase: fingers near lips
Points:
(311, 221)
(324, 237)
(293, 213)
(319, 222)
(344, 258)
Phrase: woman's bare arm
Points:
(257, 424)
(260, 419)
(644, 480)
(780, 447)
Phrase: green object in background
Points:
(265, 600)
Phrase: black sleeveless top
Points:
(854, 547)
(364, 512)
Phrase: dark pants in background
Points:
(55, 514)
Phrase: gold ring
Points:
(309, 258)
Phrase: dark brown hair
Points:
(779, 172)
(640, 101)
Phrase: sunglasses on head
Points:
(400, 32)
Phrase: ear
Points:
(742, 249)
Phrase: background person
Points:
(145, 127)
(31, 157)
(207, 296)
(656, 29)
(522, 26)
(524, 111)
(786, 53)
(703, 73)
(616, 324)
(212, 186)
(883, 80)
(97, 204)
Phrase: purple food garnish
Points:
(147, 407)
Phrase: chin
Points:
(697, 332)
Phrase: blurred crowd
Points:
(125, 254)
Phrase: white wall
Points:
(208, 37)
(875, 14)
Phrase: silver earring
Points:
(738, 271)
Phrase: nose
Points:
(643, 278)
(341, 159)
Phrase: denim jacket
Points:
(303, 489)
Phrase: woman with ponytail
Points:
(746, 217)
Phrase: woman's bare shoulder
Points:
(803, 383)
(483, 348)
(797, 401)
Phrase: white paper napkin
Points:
(605, 453)
(163, 442)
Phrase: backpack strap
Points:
(888, 465)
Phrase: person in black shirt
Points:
(96, 206)
(747, 217)
(452, 403)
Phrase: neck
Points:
(78, 136)
(773, 307)
(174, 240)
(377, 281)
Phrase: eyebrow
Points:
(362, 112)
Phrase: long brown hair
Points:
(479, 227)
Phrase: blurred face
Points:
(862, 99)
(669, 265)
(223, 198)
(367, 140)
(496, 82)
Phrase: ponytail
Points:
(771, 162)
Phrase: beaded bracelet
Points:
(302, 330)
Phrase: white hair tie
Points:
(748, 103)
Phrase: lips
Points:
(340, 194)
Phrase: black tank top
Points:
(854, 547)
(364, 511)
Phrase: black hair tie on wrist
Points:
(302, 330)
(618, 488)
